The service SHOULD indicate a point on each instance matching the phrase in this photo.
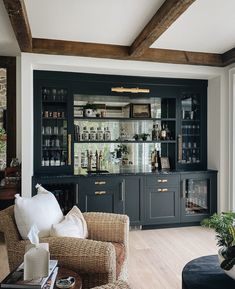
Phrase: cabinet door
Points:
(106, 195)
(198, 196)
(192, 131)
(53, 130)
(134, 199)
(162, 205)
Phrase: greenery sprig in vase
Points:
(224, 226)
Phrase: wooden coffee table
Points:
(63, 272)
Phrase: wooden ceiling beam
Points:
(59, 47)
(228, 57)
(160, 22)
(19, 20)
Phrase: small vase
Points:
(231, 272)
(88, 112)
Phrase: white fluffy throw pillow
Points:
(42, 210)
(73, 225)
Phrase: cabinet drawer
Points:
(99, 186)
(162, 181)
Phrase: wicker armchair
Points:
(94, 258)
(116, 285)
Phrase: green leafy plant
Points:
(90, 105)
(144, 136)
(224, 226)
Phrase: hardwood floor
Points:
(157, 257)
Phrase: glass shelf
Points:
(122, 118)
(127, 141)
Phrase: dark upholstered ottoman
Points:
(205, 273)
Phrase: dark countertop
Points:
(120, 171)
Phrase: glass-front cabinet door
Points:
(196, 200)
(191, 137)
(53, 138)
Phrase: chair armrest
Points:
(82, 255)
(116, 285)
(107, 227)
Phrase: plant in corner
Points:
(224, 226)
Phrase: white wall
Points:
(217, 136)
(217, 151)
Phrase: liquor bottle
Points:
(52, 160)
(63, 159)
(99, 134)
(154, 133)
(92, 134)
(43, 161)
(85, 134)
(168, 133)
(107, 134)
(154, 160)
(163, 132)
(46, 160)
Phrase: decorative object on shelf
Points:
(89, 109)
(121, 150)
(165, 163)
(144, 136)
(154, 160)
(140, 110)
(14, 162)
(224, 226)
(131, 90)
(136, 137)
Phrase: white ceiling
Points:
(207, 26)
(8, 43)
(103, 21)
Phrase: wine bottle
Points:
(163, 132)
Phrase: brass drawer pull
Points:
(162, 190)
(98, 193)
(162, 181)
(100, 183)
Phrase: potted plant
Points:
(136, 136)
(144, 136)
(224, 226)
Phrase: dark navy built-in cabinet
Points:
(132, 145)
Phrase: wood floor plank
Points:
(157, 257)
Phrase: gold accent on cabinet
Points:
(131, 90)
(100, 182)
(99, 193)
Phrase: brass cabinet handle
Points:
(100, 183)
(69, 149)
(100, 193)
(162, 190)
(162, 181)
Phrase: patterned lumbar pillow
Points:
(42, 210)
(73, 225)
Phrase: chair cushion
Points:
(73, 225)
(120, 256)
(42, 210)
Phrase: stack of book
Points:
(16, 278)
